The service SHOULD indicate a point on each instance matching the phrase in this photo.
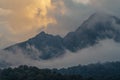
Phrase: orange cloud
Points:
(28, 15)
(4, 12)
(22, 19)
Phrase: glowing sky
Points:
(22, 19)
(27, 15)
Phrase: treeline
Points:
(33, 73)
(104, 71)
(99, 71)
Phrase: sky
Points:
(23, 19)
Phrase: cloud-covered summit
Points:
(20, 20)
(97, 27)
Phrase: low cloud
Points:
(106, 50)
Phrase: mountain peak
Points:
(97, 27)
(99, 19)
(41, 33)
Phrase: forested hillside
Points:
(33, 73)
(100, 71)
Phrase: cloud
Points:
(4, 12)
(72, 19)
(108, 6)
(78, 11)
(0, 35)
(85, 2)
(27, 15)
(106, 50)
(23, 19)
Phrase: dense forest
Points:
(98, 71)
(33, 73)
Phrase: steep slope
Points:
(97, 27)
(43, 45)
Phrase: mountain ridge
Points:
(91, 31)
(94, 29)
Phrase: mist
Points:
(105, 51)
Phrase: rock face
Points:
(97, 27)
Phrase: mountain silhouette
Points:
(97, 27)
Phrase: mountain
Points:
(97, 27)
(44, 45)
